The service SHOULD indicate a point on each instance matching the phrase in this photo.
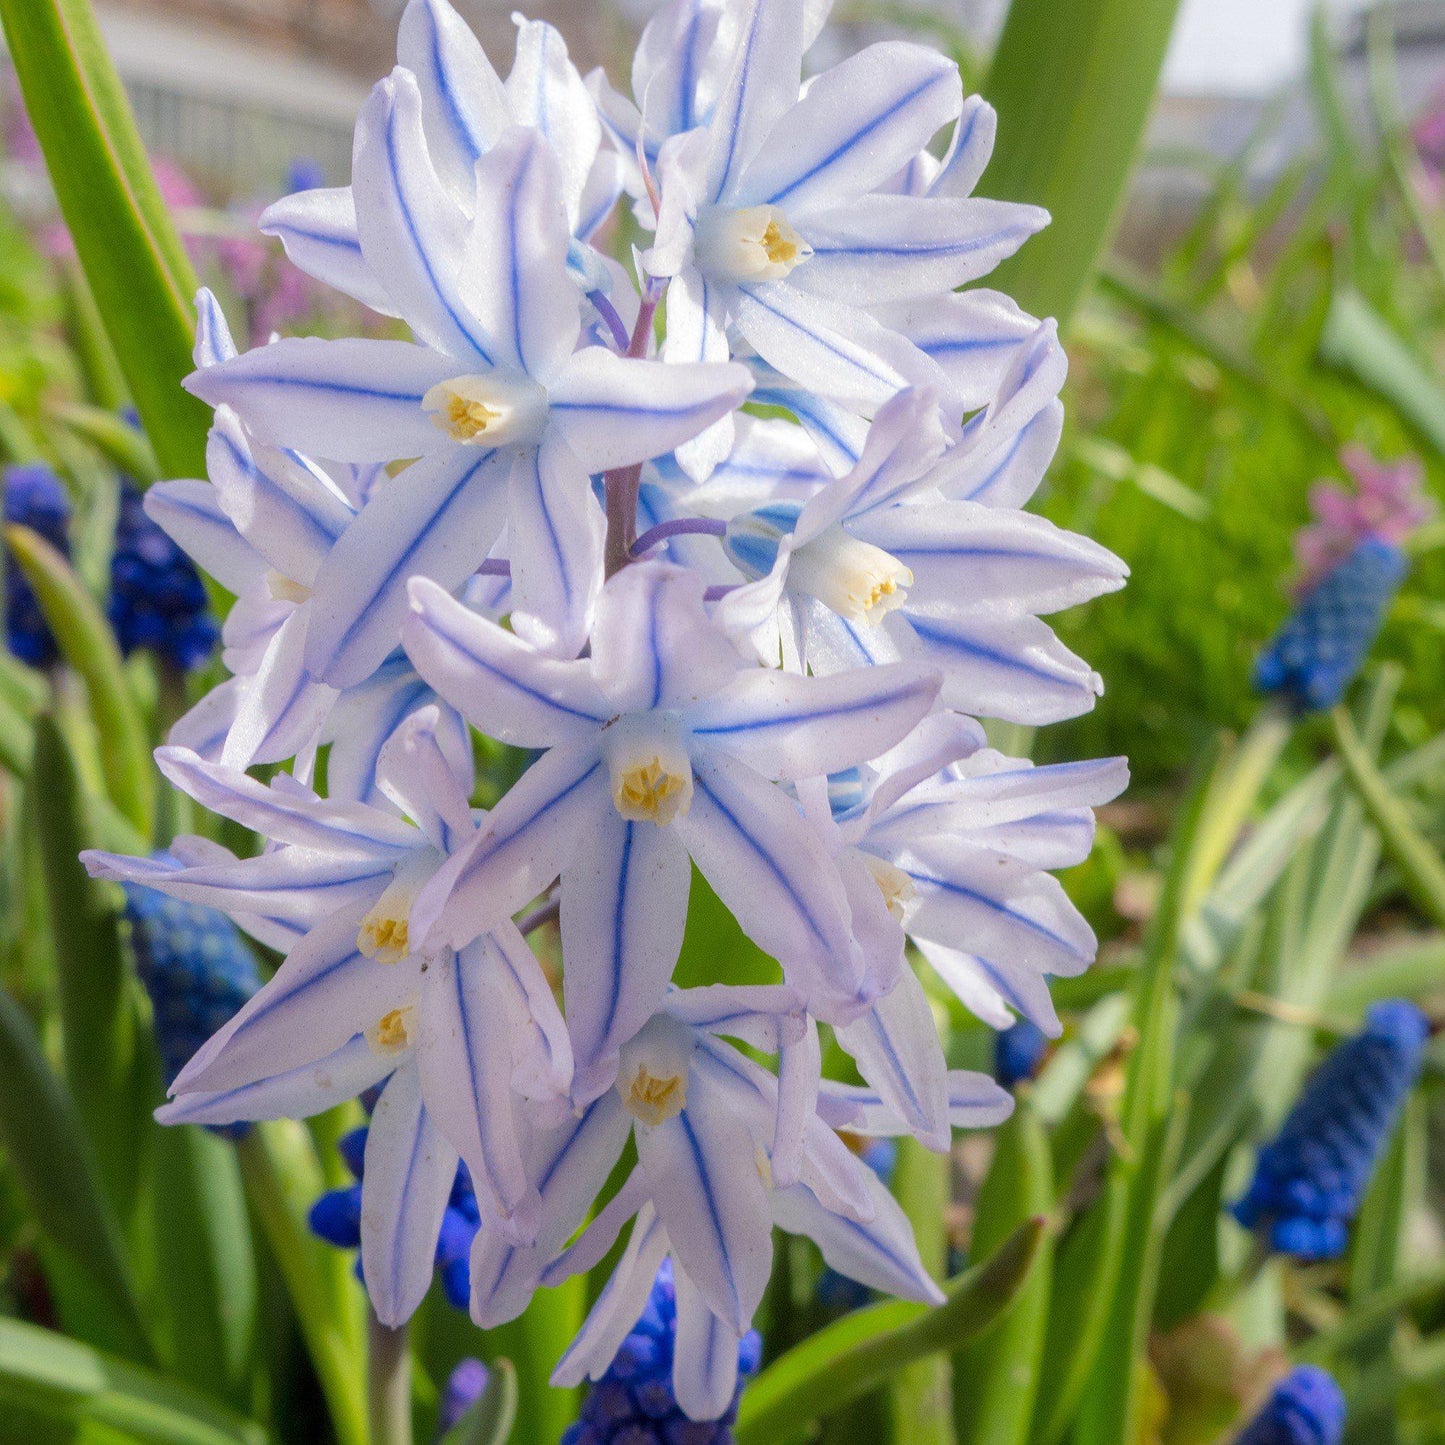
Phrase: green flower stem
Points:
(854, 1355)
(921, 1394)
(388, 1382)
(1420, 865)
(280, 1192)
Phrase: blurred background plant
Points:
(1264, 340)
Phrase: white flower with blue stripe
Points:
(355, 996)
(659, 745)
(505, 417)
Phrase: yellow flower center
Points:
(654, 1100)
(781, 243)
(487, 411)
(648, 793)
(466, 419)
(757, 243)
(894, 884)
(393, 1031)
(855, 579)
(383, 939)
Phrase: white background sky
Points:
(1240, 45)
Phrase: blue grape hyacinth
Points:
(1017, 1052)
(157, 599)
(196, 969)
(1314, 657)
(1309, 1181)
(633, 1403)
(336, 1218)
(34, 498)
(1306, 1408)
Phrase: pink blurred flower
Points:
(1388, 502)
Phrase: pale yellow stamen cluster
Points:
(384, 939)
(894, 884)
(464, 418)
(781, 244)
(393, 1032)
(648, 793)
(286, 589)
(855, 579)
(654, 1100)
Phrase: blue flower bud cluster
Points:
(633, 1403)
(1309, 1181)
(1324, 642)
(336, 1218)
(157, 599)
(1306, 1408)
(196, 968)
(34, 498)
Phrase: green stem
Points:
(1420, 865)
(280, 1206)
(921, 1394)
(388, 1383)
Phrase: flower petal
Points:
(624, 904)
(1012, 668)
(830, 346)
(505, 688)
(1000, 907)
(318, 230)
(895, 1045)
(859, 123)
(570, 1164)
(191, 515)
(761, 86)
(296, 1094)
(283, 707)
(438, 518)
(788, 726)
(773, 873)
(288, 815)
(897, 247)
(969, 150)
(465, 1063)
(975, 336)
(705, 1356)
(653, 644)
(464, 105)
(429, 778)
(881, 1254)
(409, 1173)
(324, 994)
(710, 1198)
(283, 511)
(619, 1306)
(615, 410)
(514, 275)
(557, 531)
(412, 231)
(546, 92)
(525, 843)
(353, 400)
(975, 558)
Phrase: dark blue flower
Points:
(1017, 1052)
(1306, 1408)
(196, 968)
(1308, 1182)
(34, 498)
(633, 1403)
(157, 599)
(336, 1218)
(1314, 657)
